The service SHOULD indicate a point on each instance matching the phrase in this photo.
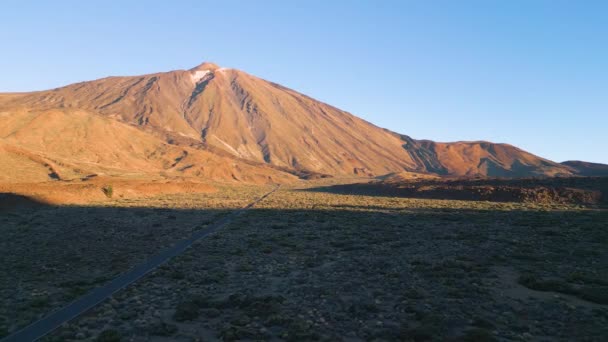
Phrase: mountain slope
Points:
(68, 144)
(236, 114)
(582, 168)
(489, 159)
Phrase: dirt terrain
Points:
(96, 190)
(310, 265)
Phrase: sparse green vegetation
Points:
(39, 302)
(478, 335)
(596, 294)
(108, 190)
(163, 329)
(186, 311)
(109, 336)
(534, 283)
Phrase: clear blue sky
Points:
(527, 72)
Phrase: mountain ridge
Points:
(587, 169)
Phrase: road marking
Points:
(53, 321)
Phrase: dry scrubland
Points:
(53, 254)
(310, 265)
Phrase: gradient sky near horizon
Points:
(530, 73)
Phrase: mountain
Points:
(489, 159)
(209, 118)
(582, 168)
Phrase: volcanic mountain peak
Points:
(206, 66)
(248, 118)
(204, 71)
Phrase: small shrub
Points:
(534, 283)
(186, 311)
(203, 301)
(163, 329)
(413, 293)
(235, 333)
(483, 323)
(39, 302)
(596, 294)
(478, 335)
(211, 313)
(109, 336)
(583, 278)
(108, 190)
(177, 275)
(76, 292)
(420, 333)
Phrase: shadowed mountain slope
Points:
(230, 114)
(582, 168)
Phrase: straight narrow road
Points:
(53, 321)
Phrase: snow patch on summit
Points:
(199, 74)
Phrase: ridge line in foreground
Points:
(97, 295)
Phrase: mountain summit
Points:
(232, 115)
(206, 66)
